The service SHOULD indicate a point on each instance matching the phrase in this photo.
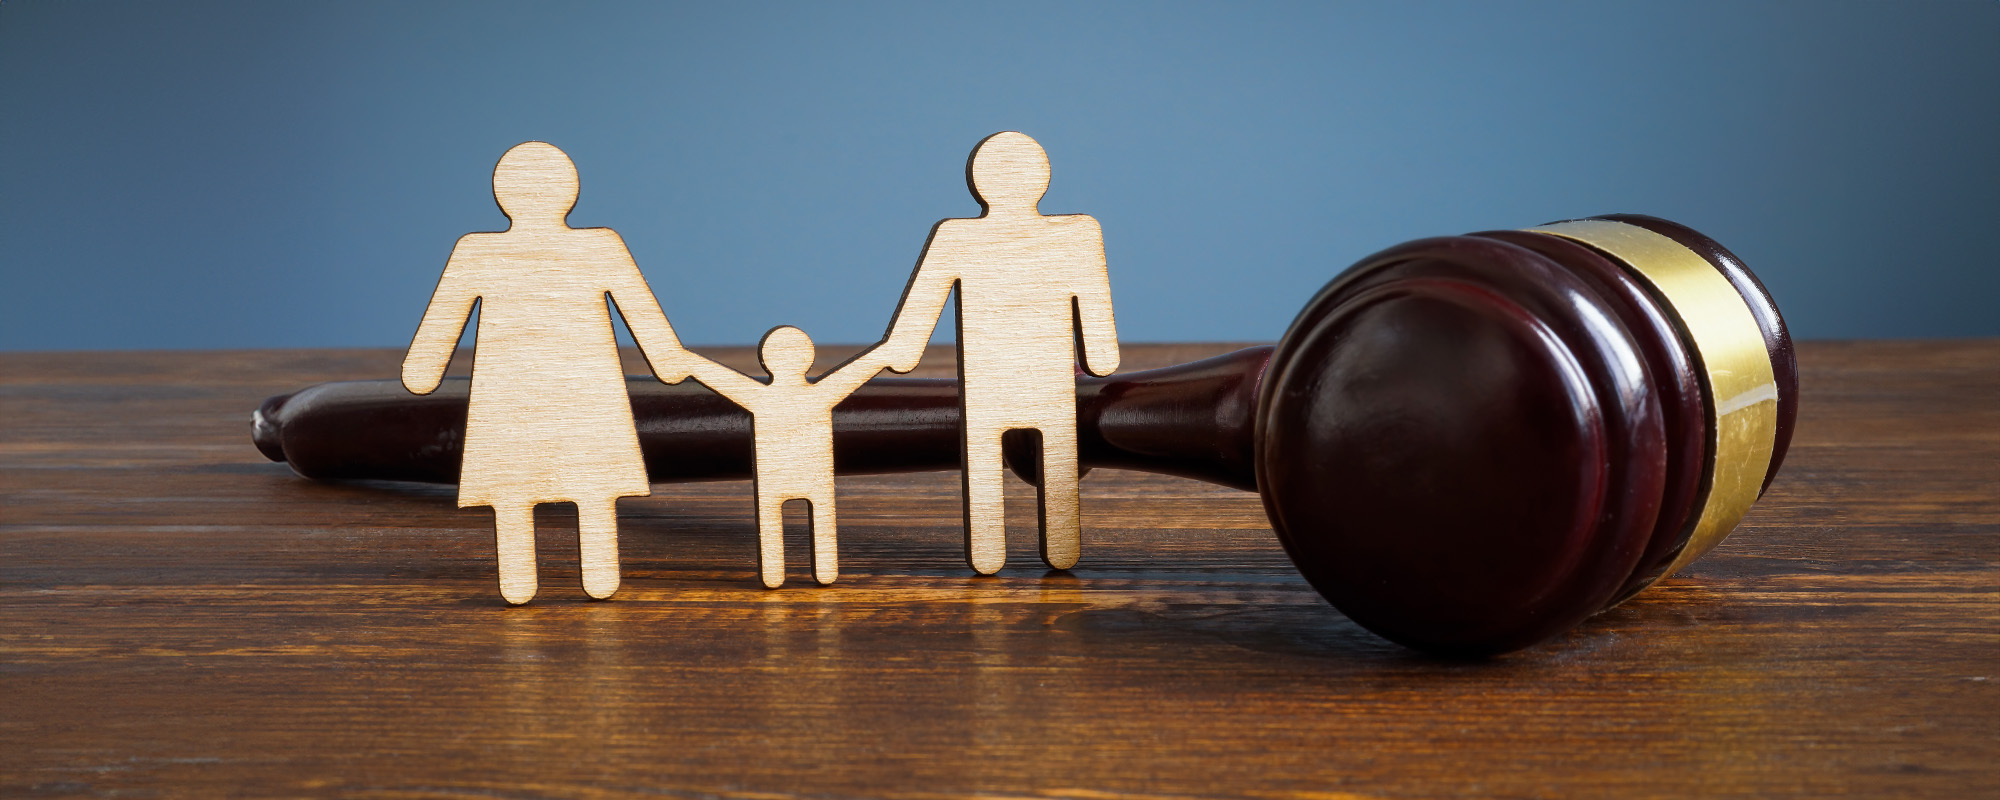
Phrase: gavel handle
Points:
(1193, 420)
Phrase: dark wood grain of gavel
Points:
(1191, 420)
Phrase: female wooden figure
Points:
(549, 420)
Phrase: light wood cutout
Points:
(792, 424)
(1033, 291)
(549, 419)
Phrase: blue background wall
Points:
(280, 174)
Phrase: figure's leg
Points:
(984, 475)
(825, 540)
(1062, 539)
(771, 538)
(514, 540)
(597, 546)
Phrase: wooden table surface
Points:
(180, 617)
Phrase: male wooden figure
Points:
(1030, 289)
(792, 425)
(549, 420)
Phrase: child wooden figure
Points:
(792, 425)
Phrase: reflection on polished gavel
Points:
(1467, 444)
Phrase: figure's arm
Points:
(901, 350)
(444, 320)
(1096, 330)
(641, 309)
(923, 301)
(741, 389)
(844, 379)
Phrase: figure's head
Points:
(535, 184)
(1008, 172)
(786, 352)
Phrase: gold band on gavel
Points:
(1733, 364)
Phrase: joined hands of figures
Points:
(548, 419)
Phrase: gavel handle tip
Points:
(264, 428)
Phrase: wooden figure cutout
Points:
(792, 425)
(1032, 291)
(549, 419)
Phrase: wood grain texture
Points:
(181, 617)
(1034, 303)
(792, 426)
(549, 420)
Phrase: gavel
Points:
(1466, 444)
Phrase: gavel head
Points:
(1469, 444)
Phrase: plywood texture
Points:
(792, 425)
(1034, 304)
(549, 420)
(179, 617)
